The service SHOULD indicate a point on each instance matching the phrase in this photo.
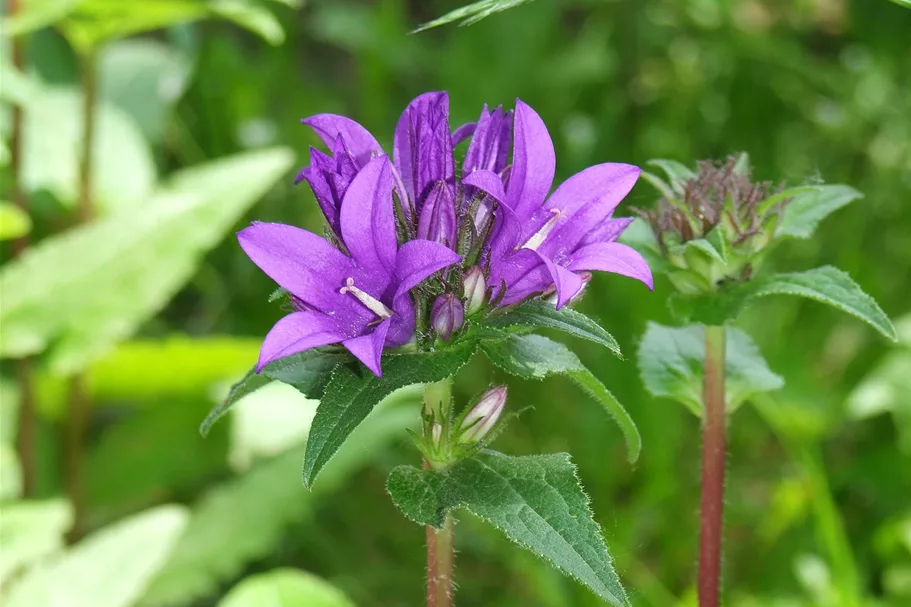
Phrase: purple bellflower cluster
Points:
(416, 246)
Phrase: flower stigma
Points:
(538, 237)
(372, 304)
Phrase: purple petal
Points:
(607, 231)
(532, 164)
(305, 264)
(438, 217)
(612, 257)
(463, 132)
(297, 332)
(369, 348)
(422, 147)
(489, 147)
(418, 259)
(488, 182)
(523, 273)
(360, 143)
(367, 220)
(568, 283)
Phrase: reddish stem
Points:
(711, 517)
(439, 564)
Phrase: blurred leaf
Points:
(31, 531)
(124, 172)
(536, 500)
(110, 568)
(285, 588)
(307, 371)
(802, 215)
(10, 472)
(251, 15)
(826, 285)
(35, 14)
(472, 13)
(14, 222)
(671, 362)
(242, 520)
(536, 313)
(676, 172)
(144, 78)
(353, 391)
(108, 276)
(536, 357)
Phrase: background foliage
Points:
(158, 306)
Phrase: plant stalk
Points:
(78, 396)
(440, 547)
(28, 419)
(711, 518)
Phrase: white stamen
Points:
(374, 305)
(535, 241)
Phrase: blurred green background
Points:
(819, 476)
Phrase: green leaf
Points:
(110, 568)
(223, 537)
(811, 205)
(677, 173)
(31, 531)
(671, 362)
(826, 285)
(252, 16)
(353, 392)
(536, 500)
(307, 371)
(36, 14)
(537, 313)
(472, 13)
(536, 357)
(14, 222)
(285, 588)
(116, 272)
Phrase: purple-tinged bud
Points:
(438, 217)
(447, 315)
(475, 289)
(482, 418)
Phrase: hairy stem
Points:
(711, 517)
(78, 397)
(28, 420)
(440, 551)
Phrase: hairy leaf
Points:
(536, 501)
(812, 205)
(672, 359)
(536, 357)
(537, 313)
(826, 285)
(353, 392)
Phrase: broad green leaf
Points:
(472, 13)
(676, 172)
(307, 371)
(537, 313)
(536, 500)
(88, 288)
(671, 361)
(536, 357)
(144, 78)
(36, 14)
(811, 205)
(354, 391)
(31, 531)
(14, 222)
(242, 520)
(251, 15)
(285, 588)
(110, 568)
(124, 171)
(826, 285)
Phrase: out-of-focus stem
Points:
(711, 519)
(78, 397)
(25, 437)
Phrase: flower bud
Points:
(447, 315)
(438, 218)
(475, 289)
(481, 419)
(437, 434)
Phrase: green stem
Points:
(440, 547)
(78, 398)
(711, 517)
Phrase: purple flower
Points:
(361, 301)
(542, 241)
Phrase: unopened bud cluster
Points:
(713, 227)
(448, 440)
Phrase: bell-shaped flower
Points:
(542, 241)
(329, 178)
(360, 300)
